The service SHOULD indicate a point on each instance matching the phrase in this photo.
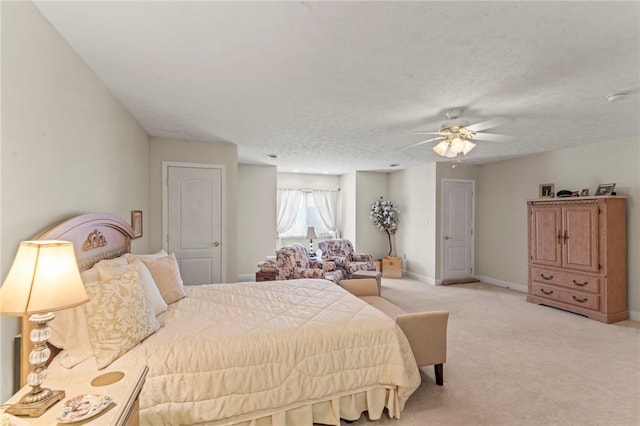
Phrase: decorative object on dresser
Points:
(545, 190)
(44, 277)
(578, 256)
(605, 189)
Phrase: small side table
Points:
(265, 276)
(125, 392)
(392, 267)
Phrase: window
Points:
(307, 216)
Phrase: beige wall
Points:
(301, 180)
(348, 206)
(505, 186)
(256, 217)
(414, 190)
(195, 152)
(370, 186)
(68, 146)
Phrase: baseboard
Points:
(421, 278)
(633, 315)
(500, 283)
(246, 278)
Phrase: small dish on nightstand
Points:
(82, 407)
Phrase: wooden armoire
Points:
(578, 255)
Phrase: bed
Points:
(260, 353)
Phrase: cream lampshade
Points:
(44, 277)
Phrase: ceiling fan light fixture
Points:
(457, 144)
(442, 148)
(468, 146)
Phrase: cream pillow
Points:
(166, 274)
(69, 327)
(154, 298)
(118, 316)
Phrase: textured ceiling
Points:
(333, 87)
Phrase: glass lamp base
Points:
(43, 400)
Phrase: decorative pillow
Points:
(166, 274)
(152, 294)
(118, 316)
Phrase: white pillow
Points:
(118, 316)
(166, 274)
(69, 332)
(152, 294)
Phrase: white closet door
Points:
(195, 222)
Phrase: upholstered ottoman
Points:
(376, 275)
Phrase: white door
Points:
(457, 228)
(194, 225)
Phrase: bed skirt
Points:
(327, 412)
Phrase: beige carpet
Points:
(515, 363)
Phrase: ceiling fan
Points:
(455, 135)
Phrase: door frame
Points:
(223, 206)
(472, 241)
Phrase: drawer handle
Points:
(580, 284)
(580, 300)
(550, 277)
(546, 292)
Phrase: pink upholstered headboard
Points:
(95, 236)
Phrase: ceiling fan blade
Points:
(422, 132)
(492, 137)
(495, 122)
(439, 138)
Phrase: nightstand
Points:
(265, 276)
(123, 411)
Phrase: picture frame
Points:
(136, 223)
(605, 188)
(546, 190)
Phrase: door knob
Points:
(215, 244)
(446, 237)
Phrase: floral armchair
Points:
(341, 252)
(293, 262)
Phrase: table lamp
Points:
(311, 234)
(44, 277)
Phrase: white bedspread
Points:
(231, 352)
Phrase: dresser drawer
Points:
(577, 298)
(568, 279)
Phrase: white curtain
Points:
(328, 205)
(288, 204)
